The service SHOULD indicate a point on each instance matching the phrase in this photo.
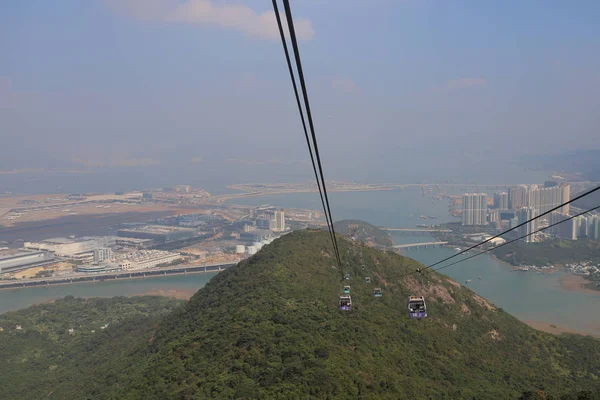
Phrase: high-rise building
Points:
(564, 197)
(517, 197)
(102, 255)
(525, 214)
(569, 229)
(265, 222)
(594, 227)
(547, 198)
(501, 200)
(279, 221)
(494, 215)
(474, 209)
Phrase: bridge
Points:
(117, 275)
(415, 245)
(415, 229)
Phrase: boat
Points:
(467, 281)
(457, 248)
(480, 277)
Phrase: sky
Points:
(392, 83)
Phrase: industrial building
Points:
(143, 259)
(133, 242)
(71, 246)
(18, 259)
(81, 249)
(91, 269)
(158, 233)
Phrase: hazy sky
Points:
(161, 81)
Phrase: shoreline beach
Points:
(557, 330)
(575, 283)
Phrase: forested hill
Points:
(364, 232)
(76, 348)
(270, 328)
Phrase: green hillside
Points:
(270, 328)
(364, 232)
(44, 359)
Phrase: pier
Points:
(415, 230)
(416, 245)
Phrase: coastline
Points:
(575, 283)
(179, 294)
(557, 330)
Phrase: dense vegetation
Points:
(44, 359)
(363, 231)
(270, 328)
(557, 251)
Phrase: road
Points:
(118, 275)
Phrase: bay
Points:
(14, 299)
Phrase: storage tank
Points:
(240, 249)
(251, 250)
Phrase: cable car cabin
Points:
(377, 292)
(347, 277)
(346, 289)
(345, 303)
(417, 307)
(368, 279)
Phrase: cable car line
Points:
(514, 240)
(292, 30)
(323, 190)
(518, 226)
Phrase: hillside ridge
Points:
(271, 328)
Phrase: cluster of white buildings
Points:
(143, 259)
(252, 249)
(522, 203)
(583, 268)
(583, 225)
